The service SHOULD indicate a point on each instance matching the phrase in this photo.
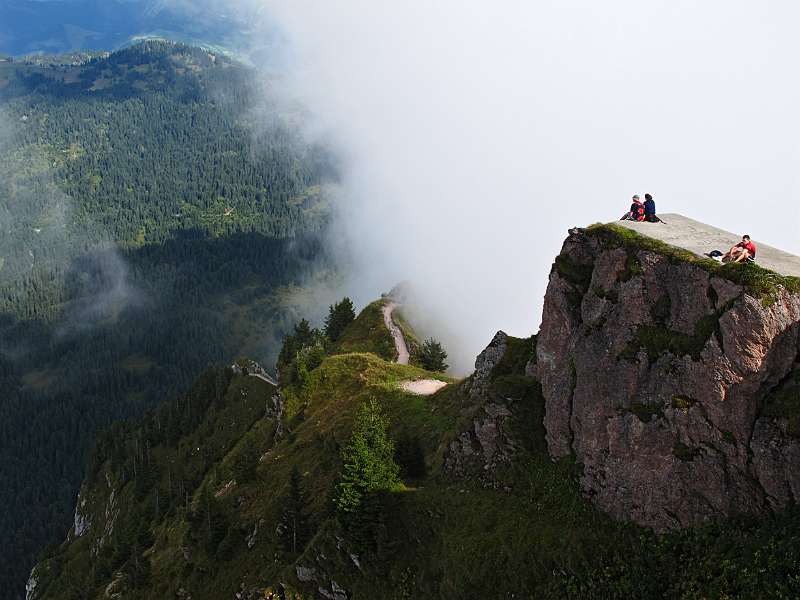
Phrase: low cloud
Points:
(41, 238)
(476, 134)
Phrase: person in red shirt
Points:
(744, 250)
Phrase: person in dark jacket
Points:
(650, 209)
(636, 213)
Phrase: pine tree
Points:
(304, 335)
(432, 356)
(340, 315)
(293, 527)
(368, 460)
(245, 462)
(212, 522)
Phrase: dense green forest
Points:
(151, 223)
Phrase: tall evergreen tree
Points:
(368, 459)
(293, 526)
(245, 463)
(432, 356)
(340, 315)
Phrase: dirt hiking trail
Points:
(397, 335)
(421, 387)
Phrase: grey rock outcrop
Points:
(486, 362)
(484, 447)
(655, 373)
(487, 443)
(81, 522)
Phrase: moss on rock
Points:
(784, 402)
(758, 282)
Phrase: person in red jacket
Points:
(744, 250)
(636, 213)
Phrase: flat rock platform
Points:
(700, 238)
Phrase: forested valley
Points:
(152, 223)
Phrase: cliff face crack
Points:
(573, 382)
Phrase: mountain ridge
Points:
(491, 505)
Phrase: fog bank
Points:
(477, 133)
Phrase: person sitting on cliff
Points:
(636, 213)
(743, 251)
(650, 209)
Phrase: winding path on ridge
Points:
(399, 341)
(421, 387)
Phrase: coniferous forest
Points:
(152, 222)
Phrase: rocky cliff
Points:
(673, 380)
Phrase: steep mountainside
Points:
(671, 379)
(150, 225)
(187, 505)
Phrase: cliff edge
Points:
(673, 380)
(701, 238)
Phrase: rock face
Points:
(657, 376)
(81, 522)
(486, 362)
(487, 443)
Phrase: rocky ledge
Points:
(673, 381)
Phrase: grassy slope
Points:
(412, 340)
(368, 334)
(534, 537)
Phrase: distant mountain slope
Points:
(150, 225)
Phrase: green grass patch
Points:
(368, 333)
(137, 363)
(684, 453)
(616, 236)
(657, 340)
(758, 282)
(518, 353)
(41, 379)
(645, 412)
(579, 275)
(610, 295)
(632, 268)
(683, 403)
(661, 309)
